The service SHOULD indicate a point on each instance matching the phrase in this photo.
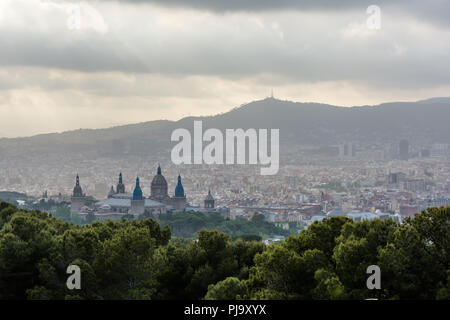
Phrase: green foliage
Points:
(319, 235)
(328, 286)
(116, 258)
(229, 289)
(137, 259)
(126, 261)
(6, 212)
(186, 224)
(63, 213)
(286, 271)
(247, 237)
(329, 260)
(444, 293)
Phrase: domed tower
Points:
(78, 198)
(209, 201)
(137, 202)
(179, 199)
(120, 186)
(159, 190)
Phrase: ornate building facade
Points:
(119, 202)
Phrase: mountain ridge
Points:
(300, 123)
(429, 100)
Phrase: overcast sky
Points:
(90, 64)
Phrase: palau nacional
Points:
(120, 203)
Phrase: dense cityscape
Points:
(397, 181)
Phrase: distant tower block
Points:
(403, 147)
(347, 150)
(138, 201)
(209, 201)
(78, 198)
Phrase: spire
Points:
(209, 196)
(179, 190)
(77, 191)
(111, 192)
(159, 169)
(120, 186)
(209, 200)
(137, 193)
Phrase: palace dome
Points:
(159, 179)
(159, 186)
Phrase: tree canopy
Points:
(139, 259)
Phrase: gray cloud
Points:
(241, 46)
(433, 11)
(159, 60)
(258, 5)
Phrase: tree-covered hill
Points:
(186, 224)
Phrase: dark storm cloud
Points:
(434, 11)
(257, 5)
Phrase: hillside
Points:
(299, 124)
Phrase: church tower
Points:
(209, 201)
(78, 198)
(179, 199)
(120, 186)
(138, 201)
